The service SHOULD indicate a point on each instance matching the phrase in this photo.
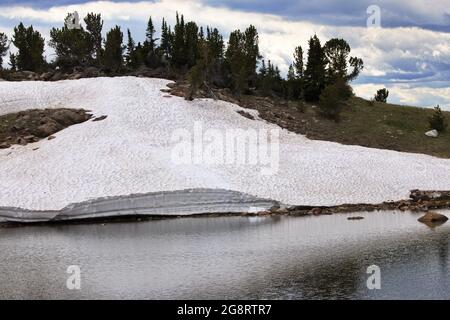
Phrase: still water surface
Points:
(230, 258)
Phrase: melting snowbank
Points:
(130, 153)
(170, 203)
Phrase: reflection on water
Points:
(230, 258)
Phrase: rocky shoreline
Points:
(420, 201)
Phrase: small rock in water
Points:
(432, 133)
(355, 218)
(433, 217)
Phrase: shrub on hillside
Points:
(344, 89)
(195, 76)
(382, 95)
(331, 102)
(437, 120)
(333, 97)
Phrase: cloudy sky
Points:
(409, 54)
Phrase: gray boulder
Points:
(432, 133)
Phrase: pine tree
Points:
(202, 72)
(4, 46)
(171, 38)
(131, 50)
(263, 69)
(315, 70)
(13, 61)
(358, 65)
(113, 55)
(298, 63)
(73, 47)
(271, 83)
(94, 27)
(337, 54)
(179, 52)
(150, 40)
(138, 57)
(382, 95)
(198, 74)
(251, 53)
(235, 62)
(166, 40)
(291, 83)
(270, 80)
(191, 43)
(296, 83)
(151, 53)
(262, 79)
(242, 57)
(215, 45)
(438, 121)
(215, 50)
(30, 45)
(278, 81)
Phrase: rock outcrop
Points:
(33, 125)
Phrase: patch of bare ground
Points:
(33, 125)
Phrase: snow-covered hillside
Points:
(131, 152)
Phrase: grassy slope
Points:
(383, 126)
(389, 126)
